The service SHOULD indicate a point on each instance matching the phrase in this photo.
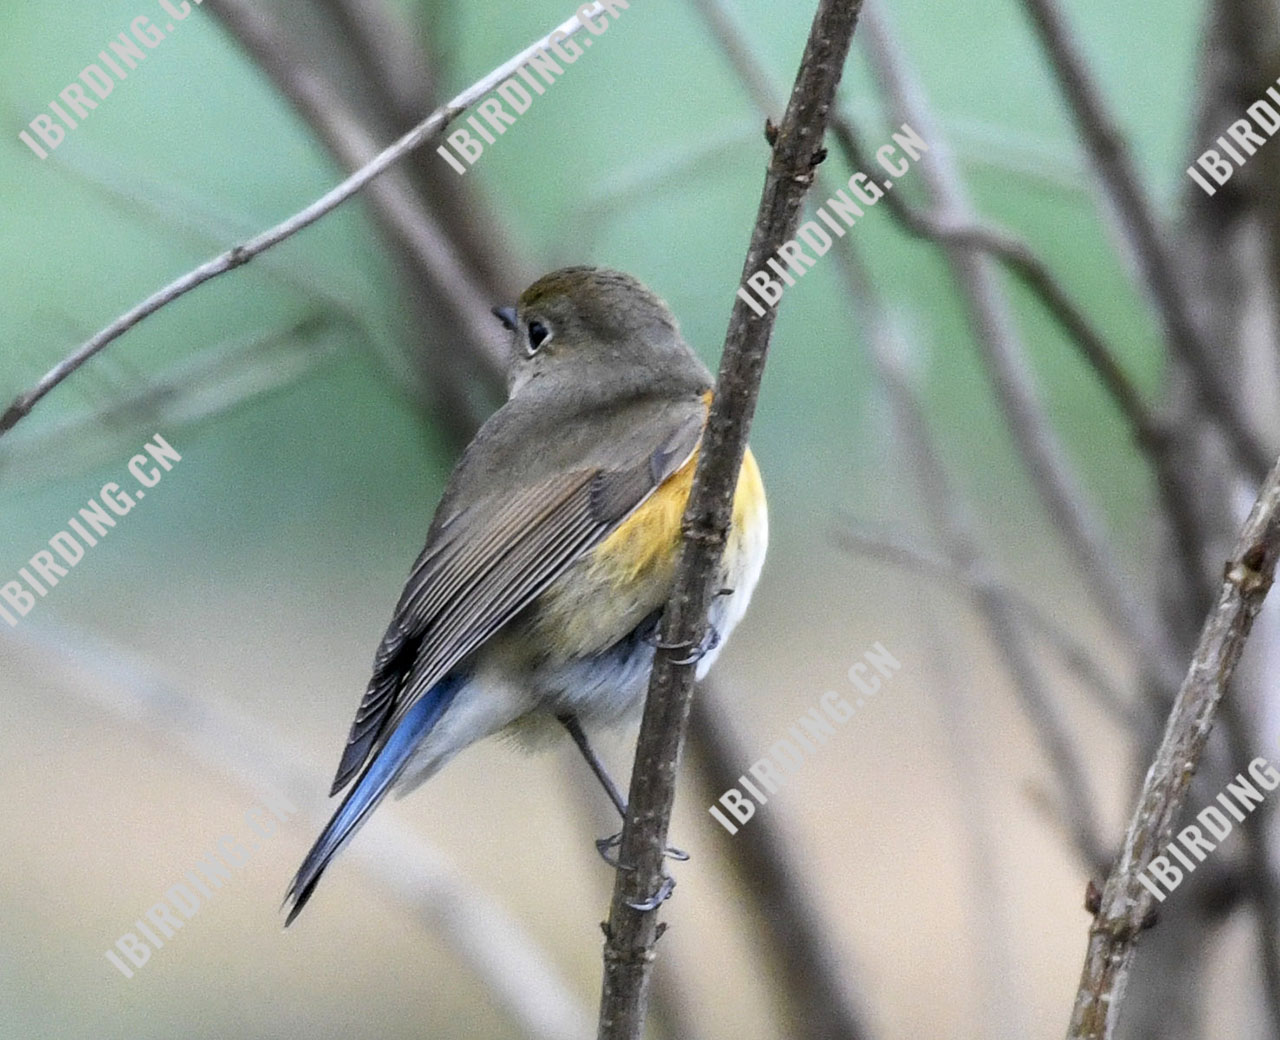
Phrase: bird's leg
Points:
(603, 845)
(571, 723)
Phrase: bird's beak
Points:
(506, 315)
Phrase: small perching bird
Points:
(537, 598)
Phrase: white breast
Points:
(739, 570)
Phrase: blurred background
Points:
(948, 474)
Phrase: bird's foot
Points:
(605, 846)
(691, 653)
(658, 898)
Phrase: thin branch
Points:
(511, 966)
(1004, 356)
(641, 881)
(1109, 153)
(999, 615)
(429, 129)
(1150, 434)
(1074, 655)
(1126, 904)
(433, 260)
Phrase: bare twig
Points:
(1074, 655)
(1109, 153)
(1003, 354)
(632, 932)
(434, 261)
(999, 615)
(237, 256)
(476, 928)
(1126, 904)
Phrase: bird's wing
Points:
(490, 560)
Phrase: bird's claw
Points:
(605, 845)
(693, 654)
(658, 898)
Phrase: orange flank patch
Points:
(650, 536)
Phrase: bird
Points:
(534, 606)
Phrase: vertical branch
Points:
(1125, 904)
(1004, 357)
(633, 926)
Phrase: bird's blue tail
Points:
(369, 790)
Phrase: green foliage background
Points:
(263, 567)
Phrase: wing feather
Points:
(486, 564)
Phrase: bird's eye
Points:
(538, 335)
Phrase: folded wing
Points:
(483, 565)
